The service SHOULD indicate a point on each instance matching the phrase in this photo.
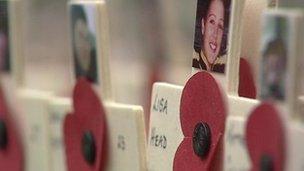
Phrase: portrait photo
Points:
(272, 3)
(211, 35)
(83, 30)
(274, 59)
(4, 37)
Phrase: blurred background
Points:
(151, 40)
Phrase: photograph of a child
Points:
(4, 37)
(274, 59)
(211, 35)
(83, 30)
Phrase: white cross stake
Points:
(280, 54)
(125, 128)
(165, 132)
(279, 81)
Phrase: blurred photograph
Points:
(272, 3)
(274, 59)
(4, 37)
(83, 30)
(211, 35)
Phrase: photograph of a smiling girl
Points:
(211, 35)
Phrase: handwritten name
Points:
(158, 140)
(121, 143)
(160, 105)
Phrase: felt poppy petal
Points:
(86, 101)
(75, 160)
(88, 108)
(96, 127)
(247, 86)
(75, 129)
(202, 101)
(11, 158)
(88, 116)
(216, 155)
(185, 158)
(265, 136)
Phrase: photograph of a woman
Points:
(274, 59)
(4, 37)
(211, 35)
(84, 41)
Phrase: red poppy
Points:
(202, 106)
(247, 86)
(11, 153)
(265, 139)
(84, 130)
